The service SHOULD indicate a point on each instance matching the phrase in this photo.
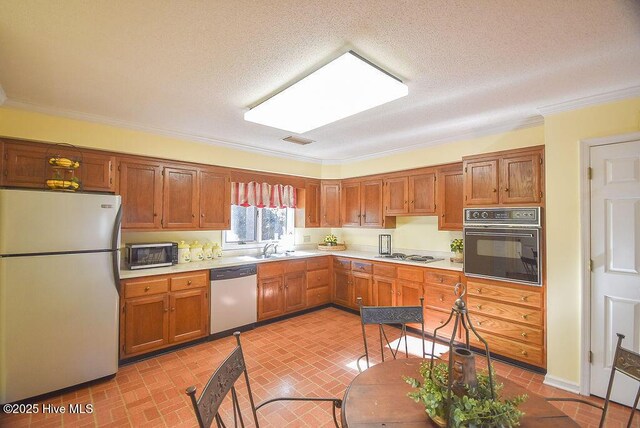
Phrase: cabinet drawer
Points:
(439, 296)
(185, 282)
(317, 263)
(410, 274)
(270, 269)
(434, 319)
(145, 287)
(342, 264)
(504, 310)
(361, 267)
(317, 278)
(384, 270)
(295, 266)
(509, 348)
(504, 293)
(441, 278)
(318, 296)
(522, 333)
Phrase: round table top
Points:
(377, 397)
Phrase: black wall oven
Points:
(503, 244)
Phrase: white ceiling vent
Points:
(297, 140)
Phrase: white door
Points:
(615, 252)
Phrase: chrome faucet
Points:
(265, 250)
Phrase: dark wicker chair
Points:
(223, 381)
(626, 362)
(396, 316)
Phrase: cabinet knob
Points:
(495, 190)
(523, 334)
(479, 290)
(442, 298)
(525, 316)
(479, 307)
(202, 215)
(525, 298)
(173, 309)
(525, 353)
(166, 310)
(441, 322)
(193, 216)
(479, 322)
(189, 282)
(147, 288)
(398, 293)
(441, 280)
(442, 215)
(411, 202)
(155, 214)
(506, 189)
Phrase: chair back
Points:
(397, 316)
(628, 363)
(220, 384)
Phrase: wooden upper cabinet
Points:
(141, 192)
(215, 200)
(330, 204)
(396, 196)
(180, 203)
(24, 166)
(312, 204)
(350, 204)
(371, 203)
(521, 178)
(505, 178)
(450, 198)
(422, 193)
(96, 173)
(481, 182)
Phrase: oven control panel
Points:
(526, 216)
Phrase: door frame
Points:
(585, 248)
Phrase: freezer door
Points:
(33, 221)
(58, 323)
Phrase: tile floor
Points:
(311, 355)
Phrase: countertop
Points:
(244, 260)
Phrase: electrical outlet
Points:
(307, 238)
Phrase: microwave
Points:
(143, 256)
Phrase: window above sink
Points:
(252, 227)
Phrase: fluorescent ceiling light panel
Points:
(344, 87)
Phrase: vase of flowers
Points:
(330, 240)
(457, 246)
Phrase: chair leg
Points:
(633, 408)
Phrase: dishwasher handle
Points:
(233, 272)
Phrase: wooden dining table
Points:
(377, 397)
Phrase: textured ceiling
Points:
(194, 67)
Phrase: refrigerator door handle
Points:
(115, 250)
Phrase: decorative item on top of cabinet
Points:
(449, 194)
(362, 204)
(307, 212)
(163, 310)
(503, 178)
(330, 203)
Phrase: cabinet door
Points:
(408, 293)
(450, 199)
(96, 172)
(371, 203)
(312, 205)
(189, 315)
(330, 204)
(384, 291)
(422, 193)
(520, 182)
(350, 204)
(362, 287)
(146, 323)
(215, 200)
(180, 203)
(342, 290)
(396, 193)
(481, 182)
(141, 191)
(295, 291)
(270, 297)
(24, 166)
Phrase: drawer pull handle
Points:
(442, 298)
(525, 316)
(479, 322)
(479, 290)
(441, 322)
(525, 298)
(525, 353)
(441, 280)
(479, 307)
(523, 334)
(189, 282)
(147, 288)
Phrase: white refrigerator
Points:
(59, 288)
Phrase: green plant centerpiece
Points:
(457, 245)
(472, 407)
(330, 240)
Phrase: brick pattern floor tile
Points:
(310, 355)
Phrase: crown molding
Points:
(456, 135)
(70, 114)
(3, 96)
(620, 94)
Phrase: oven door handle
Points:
(517, 235)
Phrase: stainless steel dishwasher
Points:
(234, 298)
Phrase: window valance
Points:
(263, 195)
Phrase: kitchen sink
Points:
(278, 256)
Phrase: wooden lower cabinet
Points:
(384, 291)
(270, 297)
(163, 310)
(282, 288)
(342, 287)
(295, 293)
(318, 281)
(362, 287)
